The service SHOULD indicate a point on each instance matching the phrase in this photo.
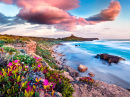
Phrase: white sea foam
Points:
(78, 49)
(113, 44)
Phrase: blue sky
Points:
(115, 29)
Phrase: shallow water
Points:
(118, 74)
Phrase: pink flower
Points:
(45, 82)
(26, 66)
(34, 57)
(10, 63)
(39, 65)
(28, 83)
(15, 61)
(1, 73)
(37, 58)
(29, 88)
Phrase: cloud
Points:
(9, 21)
(54, 12)
(5, 29)
(46, 12)
(7, 1)
(108, 14)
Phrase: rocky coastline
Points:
(99, 89)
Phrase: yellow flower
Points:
(37, 80)
(53, 92)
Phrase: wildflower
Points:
(26, 66)
(53, 92)
(10, 63)
(34, 57)
(39, 65)
(45, 82)
(37, 80)
(1, 73)
(28, 88)
(28, 83)
(37, 58)
(15, 61)
(23, 77)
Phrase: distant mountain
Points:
(75, 38)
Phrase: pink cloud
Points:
(54, 12)
(7, 1)
(44, 13)
(63, 4)
(109, 14)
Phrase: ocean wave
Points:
(74, 49)
(114, 44)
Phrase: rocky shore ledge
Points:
(99, 89)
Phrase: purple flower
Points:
(10, 63)
(45, 82)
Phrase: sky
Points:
(103, 19)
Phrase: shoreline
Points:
(61, 62)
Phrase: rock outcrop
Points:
(71, 71)
(66, 74)
(109, 58)
(31, 47)
(100, 89)
(82, 68)
(91, 74)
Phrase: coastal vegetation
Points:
(15, 79)
(17, 66)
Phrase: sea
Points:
(84, 53)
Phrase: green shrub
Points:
(9, 49)
(88, 80)
(46, 56)
(1, 43)
(67, 89)
(24, 58)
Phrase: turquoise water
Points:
(119, 48)
(118, 74)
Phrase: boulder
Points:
(109, 58)
(82, 68)
(77, 78)
(71, 71)
(97, 56)
(91, 74)
(66, 74)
